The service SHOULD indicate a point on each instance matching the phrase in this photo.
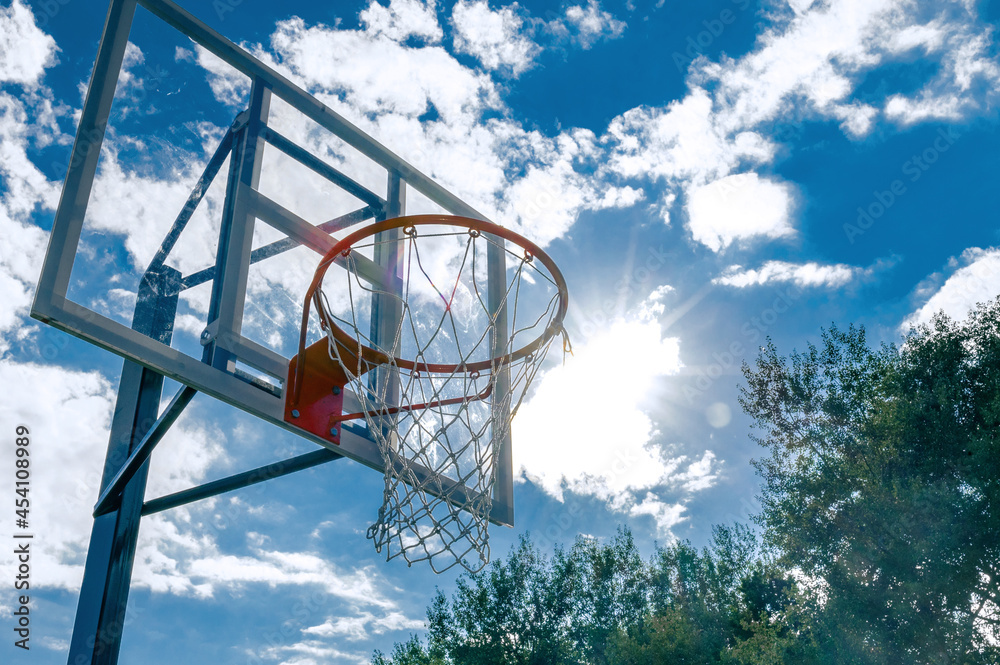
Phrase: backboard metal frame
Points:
(216, 373)
(138, 422)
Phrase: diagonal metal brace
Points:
(110, 498)
(283, 245)
(240, 480)
(194, 199)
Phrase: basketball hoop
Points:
(438, 386)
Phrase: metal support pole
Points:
(100, 615)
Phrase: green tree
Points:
(704, 587)
(515, 612)
(724, 604)
(601, 603)
(775, 622)
(532, 610)
(671, 636)
(880, 523)
(411, 652)
(611, 592)
(881, 486)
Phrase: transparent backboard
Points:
(270, 177)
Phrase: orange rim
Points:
(531, 252)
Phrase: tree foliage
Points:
(878, 541)
(882, 485)
(601, 603)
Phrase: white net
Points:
(440, 416)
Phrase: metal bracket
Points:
(209, 334)
(108, 500)
(240, 121)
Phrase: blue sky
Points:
(706, 174)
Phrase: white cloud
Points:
(68, 415)
(25, 186)
(359, 586)
(699, 475)
(496, 38)
(818, 57)
(25, 51)
(364, 624)
(808, 60)
(856, 118)
(588, 25)
(617, 457)
(801, 274)
(659, 293)
(928, 37)
(140, 208)
(977, 280)
(951, 95)
(800, 6)
(228, 85)
(186, 453)
(20, 261)
(26, 189)
(312, 652)
(377, 74)
(505, 39)
(665, 515)
(547, 198)
(132, 58)
(682, 142)
(739, 207)
(807, 65)
(553, 428)
(403, 19)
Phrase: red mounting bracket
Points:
(314, 395)
(318, 404)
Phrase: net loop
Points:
(567, 344)
(438, 388)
